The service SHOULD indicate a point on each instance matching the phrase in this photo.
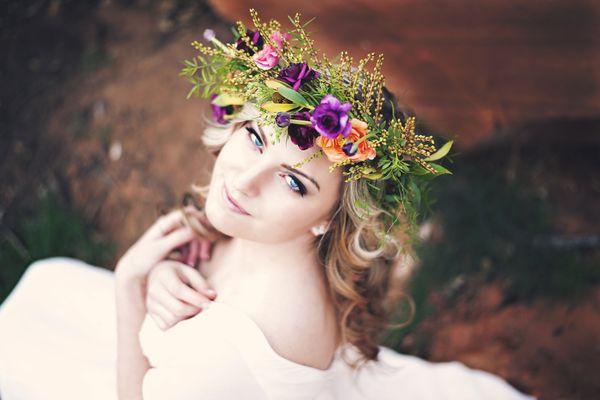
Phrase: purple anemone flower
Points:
(297, 74)
(302, 135)
(219, 112)
(255, 38)
(330, 117)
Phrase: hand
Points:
(165, 235)
(198, 249)
(193, 252)
(170, 299)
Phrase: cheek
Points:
(290, 214)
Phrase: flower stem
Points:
(300, 122)
(220, 45)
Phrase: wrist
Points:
(130, 296)
(123, 276)
(130, 283)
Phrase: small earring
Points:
(319, 230)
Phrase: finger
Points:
(197, 281)
(175, 299)
(185, 252)
(190, 296)
(177, 307)
(172, 311)
(165, 224)
(161, 315)
(173, 240)
(185, 293)
(205, 246)
(193, 250)
(158, 321)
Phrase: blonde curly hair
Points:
(358, 252)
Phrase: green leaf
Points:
(278, 107)
(418, 170)
(439, 169)
(441, 152)
(374, 177)
(293, 96)
(275, 84)
(308, 22)
(225, 99)
(192, 91)
(416, 192)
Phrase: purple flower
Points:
(282, 119)
(255, 39)
(220, 112)
(302, 135)
(209, 35)
(296, 74)
(330, 118)
(347, 148)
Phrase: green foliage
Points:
(51, 231)
(203, 74)
(94, 58)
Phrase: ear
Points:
(321, 228)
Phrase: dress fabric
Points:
(58, 341)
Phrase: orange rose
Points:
(333, 148)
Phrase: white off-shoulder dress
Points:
(58, 341)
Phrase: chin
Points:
(218, 217)
(223, 219)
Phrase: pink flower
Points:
(267, 58)
(279, 37)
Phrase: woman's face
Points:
(278, 203)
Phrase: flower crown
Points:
(318, 102)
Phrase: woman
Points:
(300, 271)
(273, 303)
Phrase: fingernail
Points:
(211, 292)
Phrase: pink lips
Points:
(233, 205)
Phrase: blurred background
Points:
(96, 136)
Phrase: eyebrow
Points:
(286, 166)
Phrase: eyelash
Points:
(301, 189)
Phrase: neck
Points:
(254, 257)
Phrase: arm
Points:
(132, 365)
(165, 235)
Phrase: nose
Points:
(248, 180)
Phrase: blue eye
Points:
(254, 137)
(294, 184)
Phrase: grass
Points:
(52, 230)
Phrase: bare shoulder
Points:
(300, 325)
